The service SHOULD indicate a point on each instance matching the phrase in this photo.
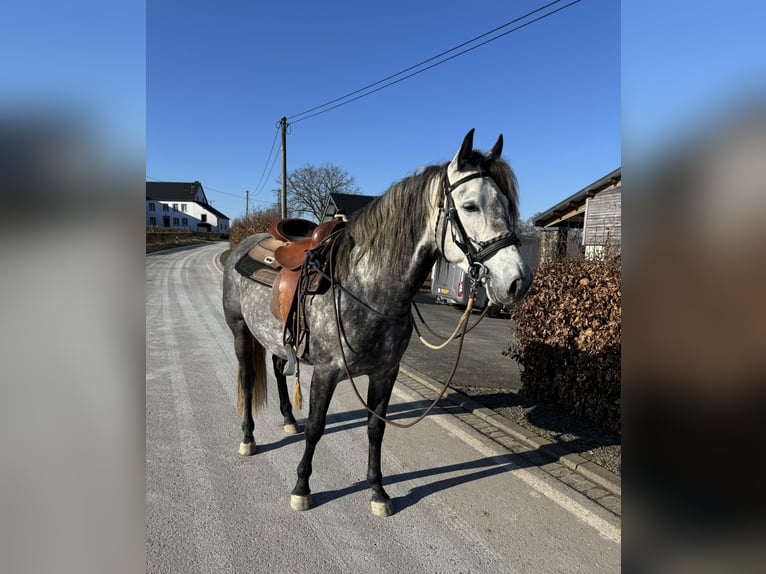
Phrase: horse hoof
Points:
(382, 508)
(291, 428)
(247, 448)
(300, 503)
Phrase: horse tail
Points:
(260, 391)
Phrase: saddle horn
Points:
(497, 149)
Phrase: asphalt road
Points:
(463, 503)
(482, 363)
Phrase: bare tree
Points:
(527, 227)
(308, 188)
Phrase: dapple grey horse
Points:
(465, 210)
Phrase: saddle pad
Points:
(255, 270)
(263, 251)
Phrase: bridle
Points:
(476, 257)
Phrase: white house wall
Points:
(193, 214)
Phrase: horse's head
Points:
(477, 228)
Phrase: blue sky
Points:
(686, 66)
(195, 88)
(221, 74)
(81, 59)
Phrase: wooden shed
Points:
(595, 211)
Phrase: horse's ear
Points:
(465, 151)
(497, 149)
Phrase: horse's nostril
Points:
(516, 288)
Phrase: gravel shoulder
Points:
(577, 435)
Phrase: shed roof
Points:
(348, 202)
(571, 211)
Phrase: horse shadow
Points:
(347, 420)
(459, 473)
(470, 471)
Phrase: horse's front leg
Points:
(378, 396)
(322, 388)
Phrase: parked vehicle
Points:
(449, 284)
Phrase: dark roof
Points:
(173, 190)
(575, 201)
(213, 210)
(350, 202)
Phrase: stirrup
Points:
(289, 368)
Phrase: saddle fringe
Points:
(297, 395)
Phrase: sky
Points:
(220, 75)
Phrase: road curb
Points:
(217, 260)
(598, 475)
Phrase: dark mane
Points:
(390, 227)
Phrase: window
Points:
(204, 217)
(183, 207)
(152, 221)
(175, 207)
(185, 221)
(176, 222)
(165, 207)
(151, 206)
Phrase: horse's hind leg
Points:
(290, 427)
(378, 397)
(251, 392)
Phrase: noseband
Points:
(476, 257)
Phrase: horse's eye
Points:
(470, 207)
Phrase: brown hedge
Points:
(568, 337)
(256, 222)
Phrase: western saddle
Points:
(292, 261)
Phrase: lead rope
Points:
(455, 334)
(471, 298)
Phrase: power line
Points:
(273, 163)
(423, 62)
(367, 93)
(261, 180)
(225, 192)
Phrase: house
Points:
(346, 202)
(182, 206)
(594, 212)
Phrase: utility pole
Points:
(247, 202)
(283, 195)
